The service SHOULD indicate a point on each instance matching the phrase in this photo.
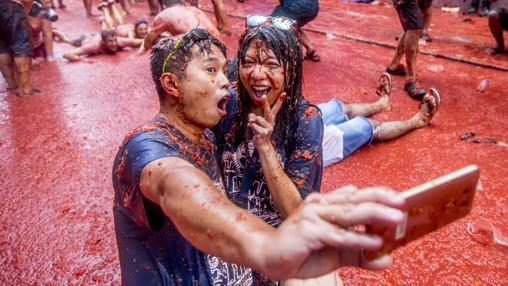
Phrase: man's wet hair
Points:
(180, 56)
(287, 47)
(108, 33)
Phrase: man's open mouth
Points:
(259, 91)
(221, 105)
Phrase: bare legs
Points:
(7, 69)
(123, 3)
(392, 129)
(154, 7)
(23, 68)
(367, 109)
(427, 16)
(497, 31)
(112, 17)
(389, 130)
(221, 16)
(88, 7)
(63, 38)
(310, 53)
(408, 45)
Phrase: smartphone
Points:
(428, 207)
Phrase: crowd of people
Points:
(222, 186)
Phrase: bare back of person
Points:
(180, 19)
(124, 30)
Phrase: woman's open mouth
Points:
(260, 91)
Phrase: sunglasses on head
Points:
(190, 37)
(279, 22)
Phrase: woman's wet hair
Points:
(139, 22)
(180, 56)
(286, 46)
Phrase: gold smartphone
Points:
(428, 207)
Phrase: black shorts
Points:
(15, 35)
(410, 13)
(302, 11)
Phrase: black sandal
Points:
(312, 55)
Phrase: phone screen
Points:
(428, 207)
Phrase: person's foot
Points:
(399, 70)
(484, 12)
(312, 55)
(425, 37)
(384, 85)
(414, 92)
(102, 5)
(496, 50)
(384, 89)
(470, 11)
(428, 107)
(62, 6)
(31, 91)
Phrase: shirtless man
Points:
(42, 38)
(177, 19)
(113, 19)
(43, 34)
(108, 43)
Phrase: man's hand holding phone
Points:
(428, 207)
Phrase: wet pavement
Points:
(57, 146)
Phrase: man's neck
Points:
(177, 119)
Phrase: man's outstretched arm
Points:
(149, 41)
(202, 214)
(74, 55)
(311, 242)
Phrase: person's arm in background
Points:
(283, 191)
(155, 31)
(309, 244)
(149, 41)
(128, 42)
(75, 54)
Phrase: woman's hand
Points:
(262, 126)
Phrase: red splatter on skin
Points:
(240, 217)
(299, 182)
(210, 234)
